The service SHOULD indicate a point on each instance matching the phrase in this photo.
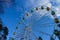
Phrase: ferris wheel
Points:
(37, 16)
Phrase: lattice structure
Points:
(38, 12)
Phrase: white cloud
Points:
(48, 5)
(32, 3)
(57, 1)
(42, 2)
(57, 11)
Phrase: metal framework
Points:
(28, 34)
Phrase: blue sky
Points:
(13, 14)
